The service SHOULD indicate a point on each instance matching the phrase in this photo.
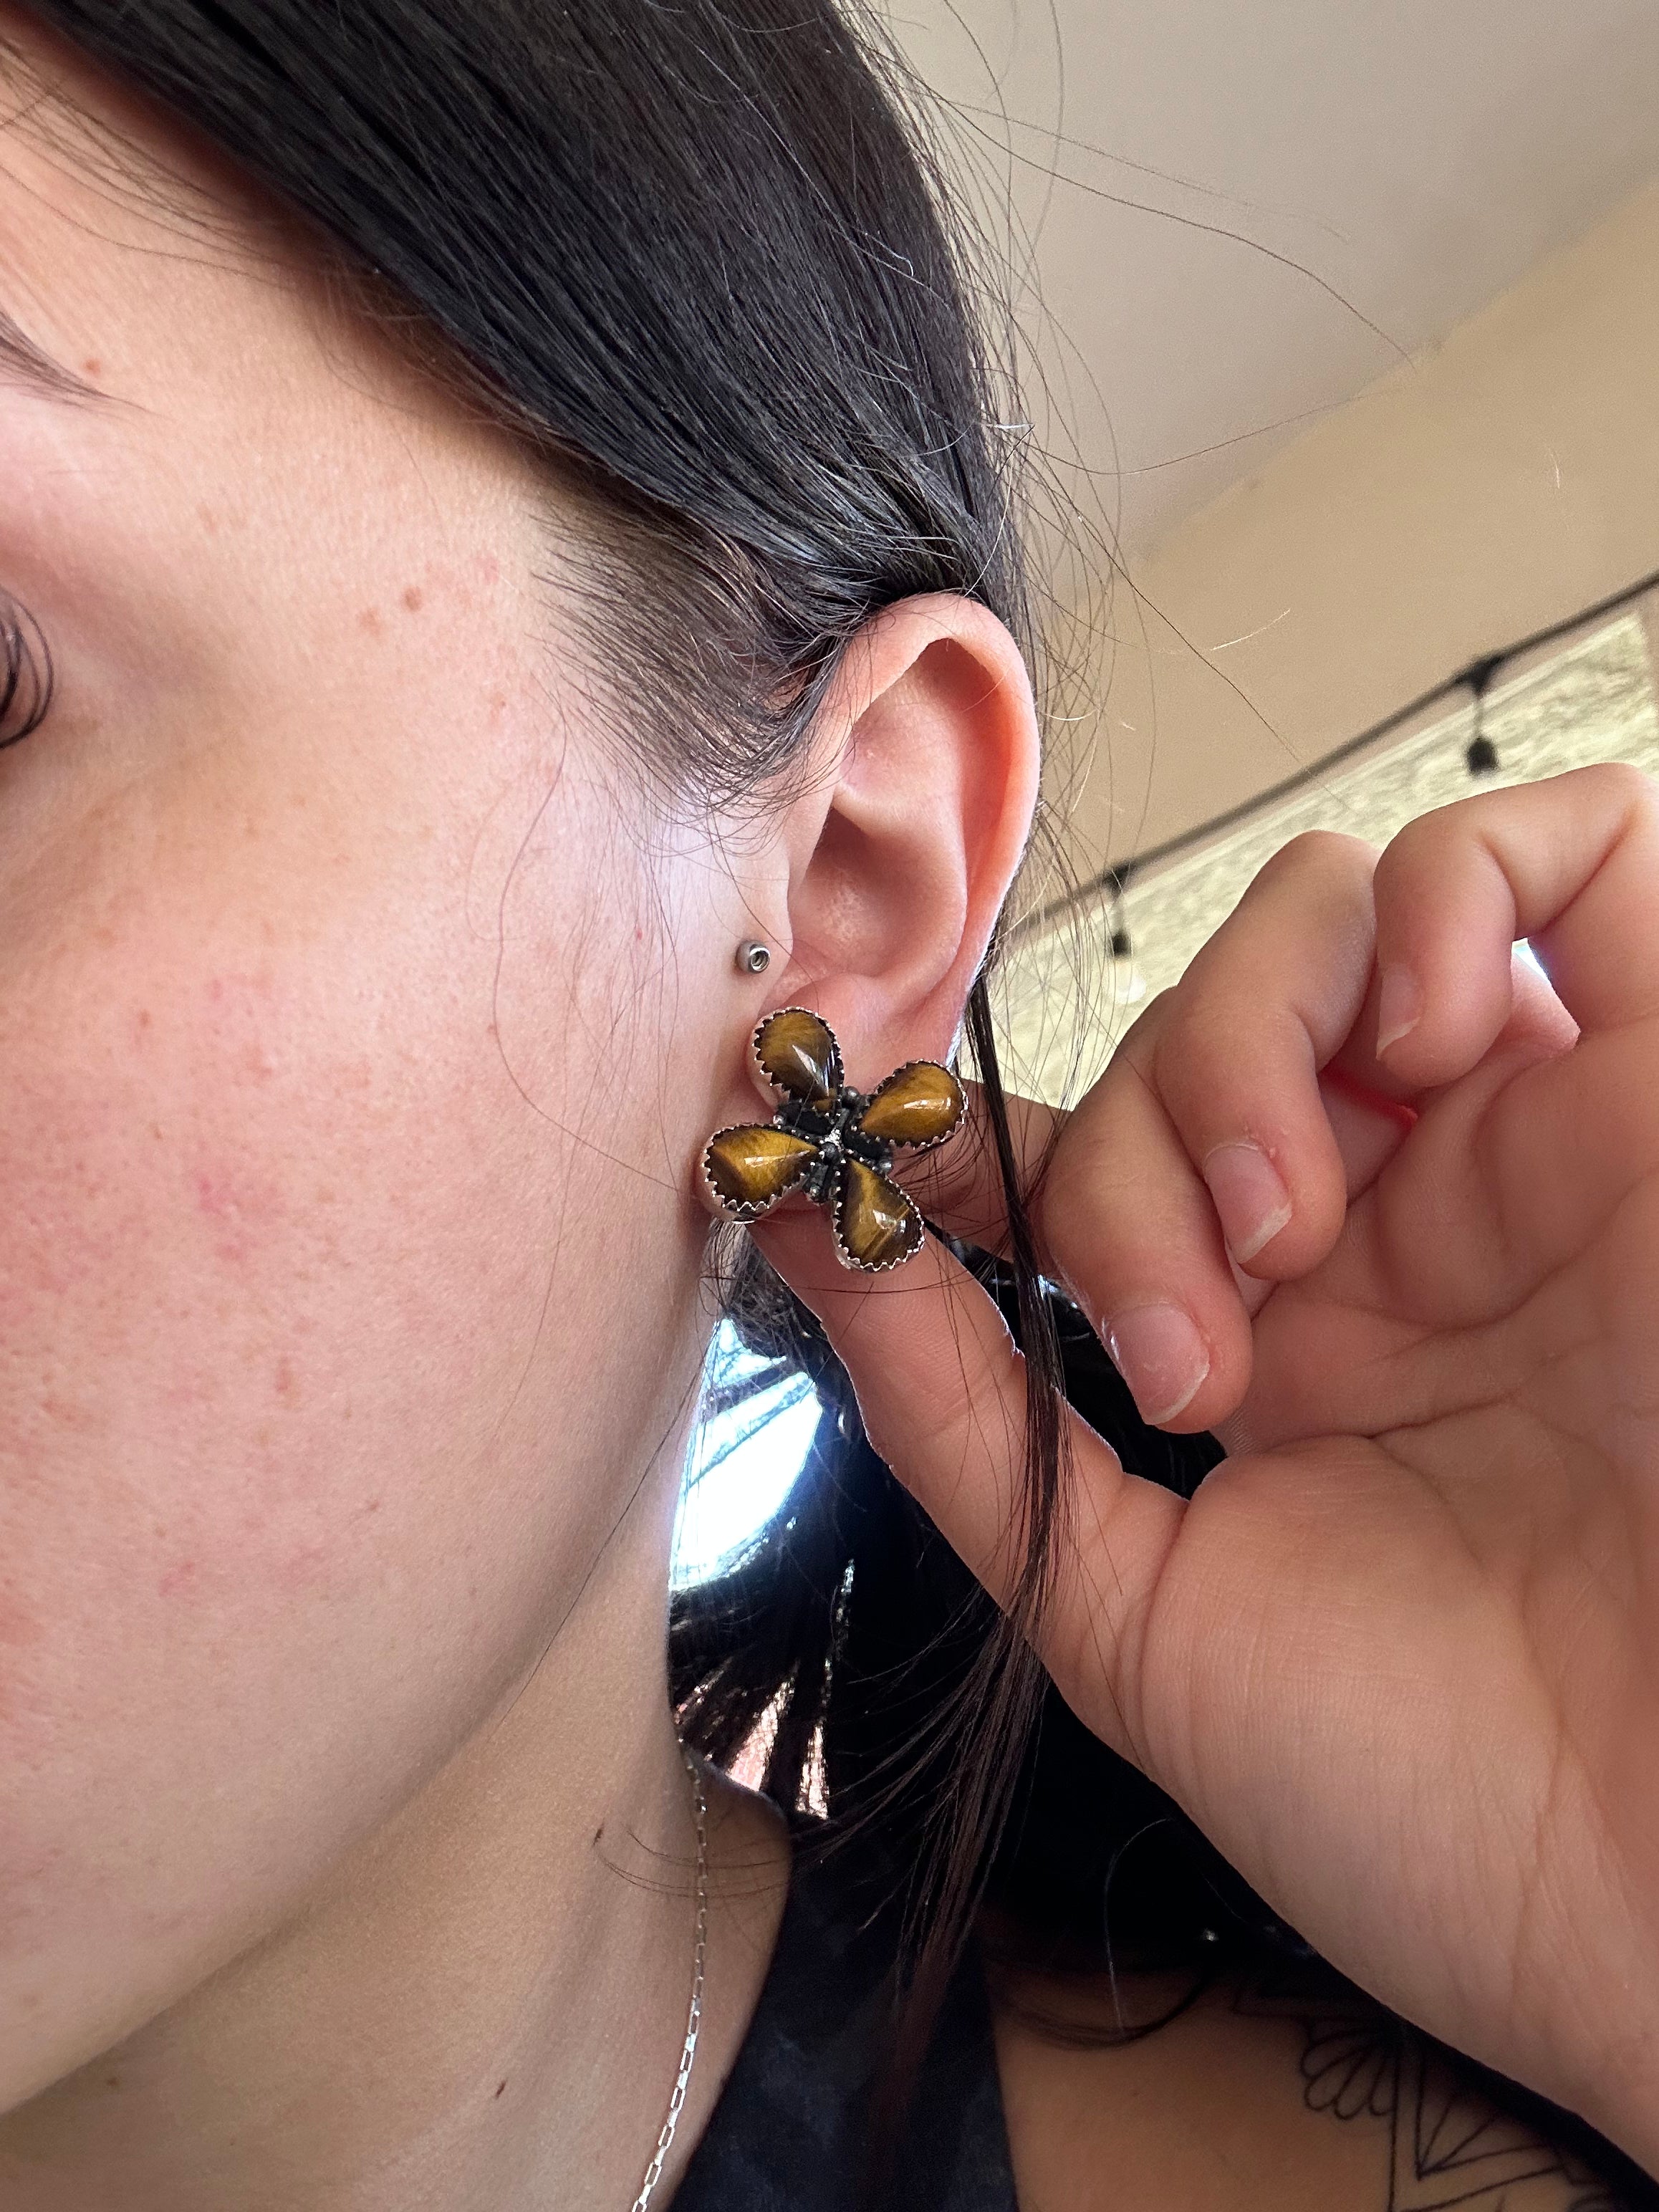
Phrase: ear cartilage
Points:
(832, 1142)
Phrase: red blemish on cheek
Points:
(256, 983)
(68, 1414)
(18, 1627)
(92, 367)
(240, 1023)
(179, 1579)
(372, 621)
(287, 1386)
(213, 1195)
(414, 598)
(238, 1206)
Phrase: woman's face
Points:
(347, 1091)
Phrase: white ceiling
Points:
(1415, 157)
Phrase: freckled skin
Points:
(330, 1233)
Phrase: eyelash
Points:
(26, 673)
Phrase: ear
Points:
(901, 849)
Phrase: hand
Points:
(1399, 1654)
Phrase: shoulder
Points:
(1254, 2095)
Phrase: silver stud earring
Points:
(753, 958)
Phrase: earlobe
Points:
(913, 838)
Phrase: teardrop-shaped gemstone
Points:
(751, 1167)
(877, 1226)
(919, 1104)
(796, 1051)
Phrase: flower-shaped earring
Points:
(832, 1143)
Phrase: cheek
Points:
(210, 1270)
(206, 1253)
(276, 1514)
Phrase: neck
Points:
(484, 2004)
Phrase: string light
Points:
(1122, 948)
(1481, 755)
(1482, 758)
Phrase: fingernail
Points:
(1161, 1356)
(1399, 1006)
(1249, 1196)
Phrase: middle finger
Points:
(1206, 1155)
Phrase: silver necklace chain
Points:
(694, 2018)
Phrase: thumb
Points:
(942, 1390)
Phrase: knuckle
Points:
(1328, 849)
(1631, 788)
(1314, 888)
(1432, 841)
(1320, 852)
(1427, 836)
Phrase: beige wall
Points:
(1489, 488)
(1063, 999)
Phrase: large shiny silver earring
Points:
(753, 958)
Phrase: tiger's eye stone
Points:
(751, 1167)
(918, 1105)
(876, 1224)
(798, 1056)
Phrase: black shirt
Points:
(791, 2132)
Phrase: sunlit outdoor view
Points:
(742, 1463)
